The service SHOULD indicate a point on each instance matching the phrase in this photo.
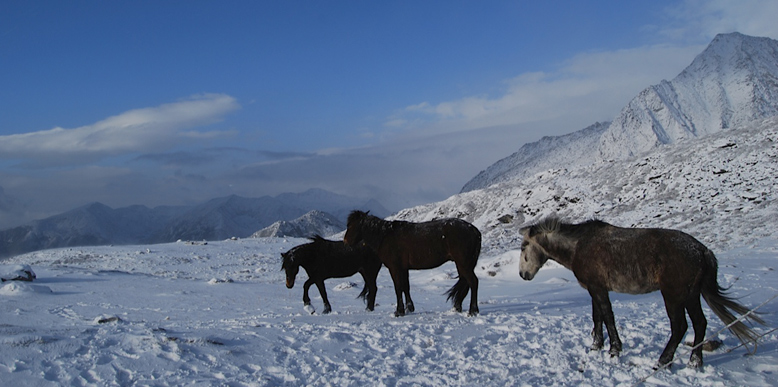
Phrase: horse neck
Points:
(374, 231)
(559, 247)
(303, 257)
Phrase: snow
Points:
(219, 314)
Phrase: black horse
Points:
(323, 259)
(404, 245)
(606, 258)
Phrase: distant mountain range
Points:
(222, 218)
(734, 81)
(310, 224)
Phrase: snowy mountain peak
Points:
(732, 82)
(731, 52)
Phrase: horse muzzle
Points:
(289, 283)
(527, 276)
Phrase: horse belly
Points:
(422, 254)
(633, 283)
(341, 272)
(424, 263)
(633, 288)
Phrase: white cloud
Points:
(592, 86)
(139, 130)
(695, 20)
(587, 88)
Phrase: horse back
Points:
(429, 244)
(334, 259)
(638, 260)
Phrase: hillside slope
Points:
(727, 175)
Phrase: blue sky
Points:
(168, 103)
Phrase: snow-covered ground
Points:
(219, 314)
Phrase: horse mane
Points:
(287, 259)
(356, 216)
(553, 224)
(371, 221)
(317, 238)
(547, 225)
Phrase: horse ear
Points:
(530, 231)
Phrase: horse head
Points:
(354, 228)
(291, 267)
(532, 256)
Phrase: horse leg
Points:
(678, 326)
(409, 307)
(306, 299)
(370, 287)
(323, 292)
(699, 323)
(467, 282)
(472, 280)
(606, 315)
(597, 338)
(372, 290)
(398, 292)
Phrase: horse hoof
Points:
(399, 313)
(695, 362)
(659, 366)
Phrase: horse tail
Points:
(363, 293)
(723, 305)
(458, 291)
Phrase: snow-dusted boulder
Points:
(16, 288)
(17, 273)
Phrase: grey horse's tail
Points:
(723, 305)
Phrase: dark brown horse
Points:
(606, 258)
(323, 259)
(404, 245)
